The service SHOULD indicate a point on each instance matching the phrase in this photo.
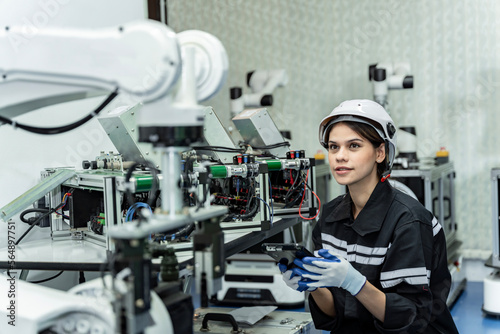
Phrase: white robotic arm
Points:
(142, 59)
(262, 83)
(387, 76)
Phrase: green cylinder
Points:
(273, 165)
(143, 183)
(218, 172)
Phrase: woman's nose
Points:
(342, 154)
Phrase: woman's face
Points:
(353, 159)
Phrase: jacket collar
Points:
(371, 218)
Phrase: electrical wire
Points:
(47, 279)
(250, 212)
(95, 226)
(31, 219)
(39, 218)
(218, 149)
(63, 204)
(36, 222)
(251, 193)
(131, 210)
(184, 232)
(268, 207)
(269, 147)
(64, 128)
(297, 183)
(300, 206)
(294, 185)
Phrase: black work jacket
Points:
(401, 249)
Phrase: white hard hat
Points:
(362, 111)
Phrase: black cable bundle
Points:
(33, 221)
(270, 147)
(218, 149)
(64, 128)
(95, 226)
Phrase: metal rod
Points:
(171, 197)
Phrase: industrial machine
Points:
(434, 187)
(284, 180)
(258, 189)
(159, 190)
(147, 68)
(491, 305)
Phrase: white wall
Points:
(327, 46)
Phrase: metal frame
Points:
(436, 174)
(495, 221)
(310, 200)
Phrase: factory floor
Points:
(468, 315)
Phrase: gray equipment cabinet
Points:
(495, 189)
(434, 187)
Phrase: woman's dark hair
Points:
(369, 133)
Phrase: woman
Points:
(382, 265)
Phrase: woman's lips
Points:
(342, 170)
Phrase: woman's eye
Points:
(354, 145)
(332, 147)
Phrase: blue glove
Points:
(292, 278)
(329, 271)
(282, 267)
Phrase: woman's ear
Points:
(380, 153)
